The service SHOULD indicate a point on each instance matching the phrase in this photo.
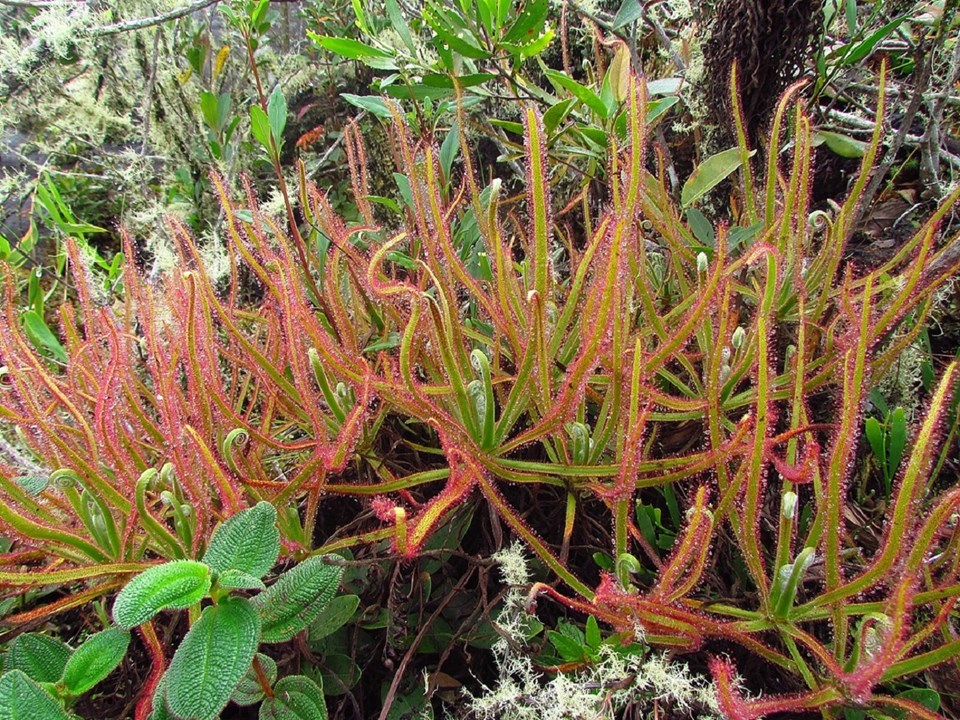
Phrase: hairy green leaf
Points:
(250, 691)
(177, 584)
(296, 697)
(22, 699)
(40, 657)
(297, 598)
(95, 659)
(212, 659)
(249, 542)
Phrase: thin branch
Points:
(142, 23)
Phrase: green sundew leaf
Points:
(584, 94)
(400, 25)
(249, 542)
(875, 436)
(260, 126)
(709, 174)
(177, 584)
(371, 103)
(347, 47)
(239, 580)
(630, 11)
(529, 23)
(41, 336)
(297, 598)
(296, 697)
(702, 228)
(449, 149)
(249, 691)
(212, 659)
(22, 699)
(277, 114)
(93, 661)
(336, 615)
(842, 145)
(40, 657)
(896, 438)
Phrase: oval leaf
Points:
(22, 699)
(709, 174)
(250, 691)
(40, 657)
(212, 659)
(248, 542)
(297, 598)
(177, 584)
(95, 659)
(337, 613)
(296, 697)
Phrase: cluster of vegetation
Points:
(490, 359)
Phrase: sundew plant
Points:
(477, 351)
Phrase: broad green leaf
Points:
(99, 656)
(400, 24)
(592, 633)
(702, 228)
(897, 438)
(710, 173)
(212, 659)
(41, 336)
(529, 23)
(22, 699)
(249, 542)
(584, 94)
(335, 616)
(630, 11)
(875, 436)
(556, 114)
(177, 584)
(930, 699)
(249, 691)
(41, 657)
(569, 649)
(347, 47)
(216, 109)
(449, 149)
(277, 114)
(239, 580)
(33, 484)
(297, 598)
(371, 103)
(448, 28)
(296, 697)
(464, 81)
(852, 53)
(842, 145)
(658, 108)
(260, 126)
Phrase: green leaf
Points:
(709, 174)
(529, 23)
(40, 657)
(630, 11)
(842, 145)
(400, 25)
(852, 53)
(556, 114)
(347, 47)
(177, 584)
(249, 542)
(875, 436)
(249, 691)
(296, 697)
(335, 616)
(99, 656)
(449, 149)
(569, 649)
(277, 114)
(212, 659)
(33, 484)
(584, 94)
(592, 633)
(216, 109)
(41, 336)
(448, 29)
(22, 699)
(897, 438)
(239, 580)
(297, 598)
(371, 103)
(260, 126)
(930, 699)
(702, 228)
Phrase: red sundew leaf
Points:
(683, 571)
